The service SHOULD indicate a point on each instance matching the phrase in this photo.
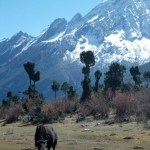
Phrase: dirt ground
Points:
(85, 135)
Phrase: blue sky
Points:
(32, 16)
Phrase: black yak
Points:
(45, 137)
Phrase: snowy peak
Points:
(20, 33)
(129, 15)
(9, 48)
(57, 26)
(75, 19)
(116, 30)
(17, 36)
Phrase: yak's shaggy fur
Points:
(45, 134)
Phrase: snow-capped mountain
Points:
(115, 30)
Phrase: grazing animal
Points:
(45, 137)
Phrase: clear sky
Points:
(32, 16)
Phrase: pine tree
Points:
(136, 75)
(5, 103)
(36, 77)
(146, 76)
(87, 89)
(114, 77)
(89, 60)
(71, 93)
(65, 87)
(9, 95)
(98, 75)
(55, 87)
(29, 67)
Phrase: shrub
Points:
(143, 104)
(12, 113)
(71, 106)
(52, 110)
(30, 107)
(123, 104)
(95, 106)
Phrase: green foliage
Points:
(146, 75)
(98, 75)
(136, 75)
(38, 101)
(89, 60)
(86, 71)
(11, 99)
(71, 93)
(65, 87)
(37, 111)
(114, 77)
(15, 99)
(29, 67)
(55, 87)
(126, 87)
(137, 88)
(9, 95)
(5, 103)
(31, 92)
(42, 97)
(87, 89)
(36, 77)
(39, 116)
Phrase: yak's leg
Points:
(49, 148)
(54, 147)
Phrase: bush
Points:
(124, 104)
(52, 110)
(71, 106)
(12, 113)
(95, 106)
(143, 104)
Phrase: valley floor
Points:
(86, 135)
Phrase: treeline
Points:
(113, 79)
(94, 99)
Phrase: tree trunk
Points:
(30, 83)
(65, 93)
(55, 95)
(34, 87)
(30, 89)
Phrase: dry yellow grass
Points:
(71, 136)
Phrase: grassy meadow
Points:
(89, 134)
